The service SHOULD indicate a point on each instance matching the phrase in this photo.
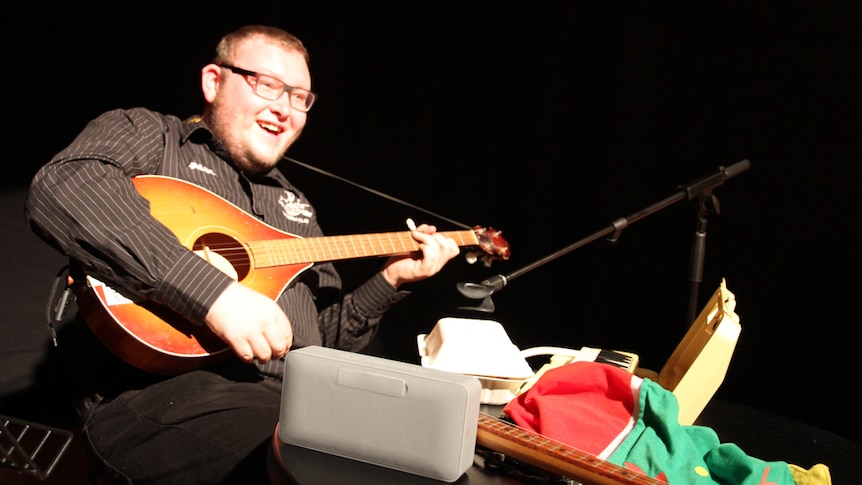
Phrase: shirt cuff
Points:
(192, 286)
(377, 295)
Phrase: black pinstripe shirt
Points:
(84, 203)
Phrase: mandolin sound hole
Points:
(225, 253)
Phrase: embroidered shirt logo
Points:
(293, 209)
(197, 166)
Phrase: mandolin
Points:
(266, 259)
(553, 456)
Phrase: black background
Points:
(546, 121)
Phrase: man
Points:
(207, 425)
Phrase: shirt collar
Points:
(193, 125)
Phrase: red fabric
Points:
(585, 405)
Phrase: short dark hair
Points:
(288, 41)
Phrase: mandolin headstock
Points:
(492, 243)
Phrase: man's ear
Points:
(210, 79)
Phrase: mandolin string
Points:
(375, 192)
(325, 248)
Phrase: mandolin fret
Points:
(278, 252)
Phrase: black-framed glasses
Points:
(268, 87)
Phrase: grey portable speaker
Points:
(379, 411)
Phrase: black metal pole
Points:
(698, 189)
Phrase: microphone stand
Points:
(700, 189)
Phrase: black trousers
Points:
(209, 426)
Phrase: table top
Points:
(295, 465)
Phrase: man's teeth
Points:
(269, 127)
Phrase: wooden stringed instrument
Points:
(553, 456)
(693, 373)
(264, 258)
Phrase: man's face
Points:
(256, 132)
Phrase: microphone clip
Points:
(482, 291)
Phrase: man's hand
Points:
(251, 323)
(437, 250)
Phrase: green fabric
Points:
(660, 447)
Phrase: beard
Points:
(245, 159)
(218, 118)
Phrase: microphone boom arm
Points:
(696, 189)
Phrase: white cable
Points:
(534, 351)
